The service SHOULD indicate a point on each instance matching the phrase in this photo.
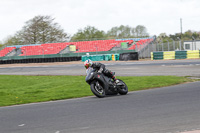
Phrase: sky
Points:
(158, 16)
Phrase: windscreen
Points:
(89, 70)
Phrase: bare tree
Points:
(41, 29)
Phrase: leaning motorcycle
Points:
(102, 85)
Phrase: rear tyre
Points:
(122, 88)
(97, 89)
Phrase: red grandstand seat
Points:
(6, 50)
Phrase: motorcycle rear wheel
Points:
(122, 89)
(97, 89)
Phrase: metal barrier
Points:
(167, 55)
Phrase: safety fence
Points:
(167, 55)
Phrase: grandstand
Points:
(6, 50)
(135, 44)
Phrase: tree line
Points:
(189, 35)
(43, 29)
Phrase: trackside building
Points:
(191, 45)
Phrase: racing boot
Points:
(115, 80)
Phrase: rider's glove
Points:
(100, 70)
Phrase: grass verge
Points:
(17, 89)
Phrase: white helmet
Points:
(87, 63)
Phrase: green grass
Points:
(15, 89)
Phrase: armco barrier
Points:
(190, 54)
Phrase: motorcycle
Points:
(102, 85)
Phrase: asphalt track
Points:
(162, 110)
(122, 68)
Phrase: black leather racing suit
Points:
(101, 67)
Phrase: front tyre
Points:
(122, 88)
(97, 89)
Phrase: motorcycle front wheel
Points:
(97, 89)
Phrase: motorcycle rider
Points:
(101, 69)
